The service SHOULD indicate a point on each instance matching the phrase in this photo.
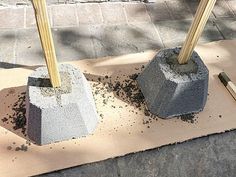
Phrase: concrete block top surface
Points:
(43, 95)
(194, 70)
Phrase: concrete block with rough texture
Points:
(171, 89)
(57, 114)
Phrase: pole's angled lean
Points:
(202, 15)
(45, 34)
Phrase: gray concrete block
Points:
(61, 113)
(171, 89)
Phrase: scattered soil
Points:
(4, 119)
(9, 148)
(23, 147)
(125, 88)
(18, 117)
(128, 90)
(190, 118)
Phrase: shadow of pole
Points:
(5, 65)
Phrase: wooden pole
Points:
(45, 34)
(202, 15)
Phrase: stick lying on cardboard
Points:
(228, 84)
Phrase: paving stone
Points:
(136, 12)
(28, 47)
(193, 5)
(64, 15)
(91, 1)
(173, 33)
(227, 27)
(210, 33)
(158, 11)
(179, 9)
(207, 156)
(13, 18)
(30, 17)
(27, 2)
(222, 9)
(52, 174)
(7, 46)
(113, 13)
(122, 39)
(70, 44)
(232, 5)
(13, 2)
(107, 168)
(73, 43)
(89, 14)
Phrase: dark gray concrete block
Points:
(61, 113)
(171, 89)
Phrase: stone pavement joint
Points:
(132, 27)
(64, 16)
(112, 13)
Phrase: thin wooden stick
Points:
(45, 34)
(202, 15)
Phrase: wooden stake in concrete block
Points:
(202, 15)
(45, 34)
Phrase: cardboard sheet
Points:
(125, 124)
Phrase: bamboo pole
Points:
(45, 34)
(202, 15)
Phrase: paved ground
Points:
(27, 2)
(100, 29)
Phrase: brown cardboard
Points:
(121, 130)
